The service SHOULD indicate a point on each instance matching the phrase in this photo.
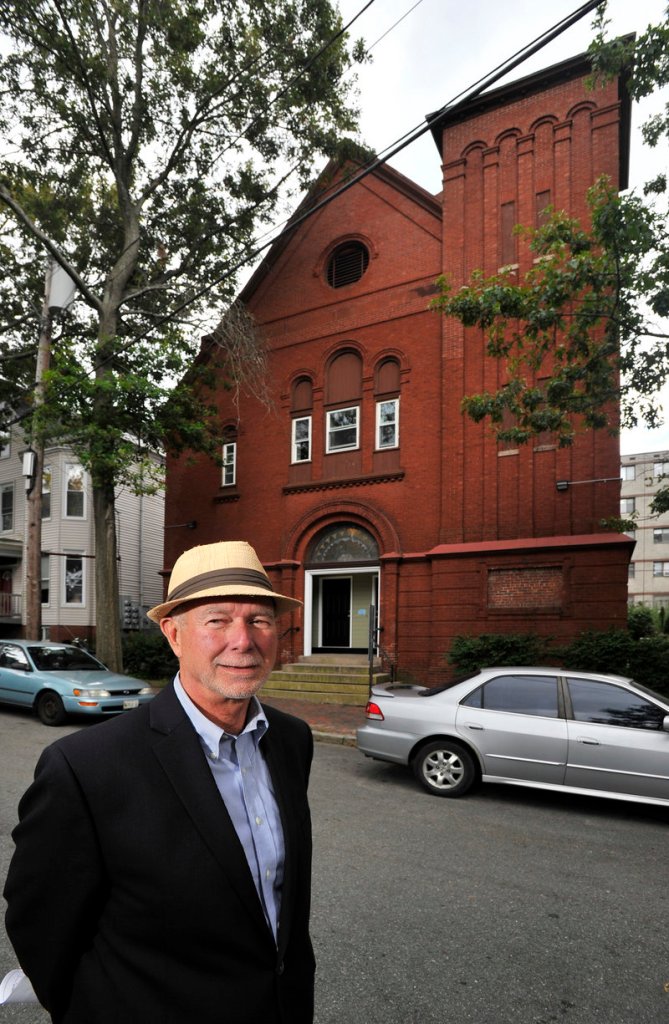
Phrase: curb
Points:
(344, 739)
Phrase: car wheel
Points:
(50, 709)
(444, 768)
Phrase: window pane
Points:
(46, 493)
(74, 579)
(74, 506)
(229, 463)
(386, 420)
(7, 500)
(302, 439)
(45, 579)
(606, 704)
(522, 695)
(343, 428)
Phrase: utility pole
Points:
(58, 295)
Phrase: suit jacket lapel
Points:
(178, 749)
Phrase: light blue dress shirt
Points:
(244, 782)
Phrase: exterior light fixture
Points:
(564, 485)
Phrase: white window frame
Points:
(229, 468)
(82, 602)
(394, 422)
(348, 426)
(67, 490)
(47, 472)
(297, 442)
(7, 489)
(628, 472)
(660, 469)
(45, 560)
(660, 569)
(627, 506)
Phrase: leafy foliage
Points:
(582, 331)
(142, 146)
(148, 655)
(471, 653)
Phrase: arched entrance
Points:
(341, 587)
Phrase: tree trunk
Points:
(107, 611)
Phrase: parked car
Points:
(576, 732)
(58, 680)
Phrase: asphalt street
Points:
(505, 907)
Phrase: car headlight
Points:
(91, 694)
(145, 691)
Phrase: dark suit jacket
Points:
(130, 900)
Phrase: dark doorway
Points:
(336, 612)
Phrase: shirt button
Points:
(258, 820)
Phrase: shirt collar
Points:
(212, 734)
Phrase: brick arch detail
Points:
(332, 513)
(545, 119)
(339, 347)
(473, 147)
(509, 134)
(585, 106)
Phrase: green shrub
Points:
(148, 656)
(470, 653)
(597, 651)
(641, 621)
(616, 651)
(649, 663)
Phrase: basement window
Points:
(347, 264)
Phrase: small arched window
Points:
(301, 399)
(347, 264)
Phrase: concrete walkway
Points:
(330, 723)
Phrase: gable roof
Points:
(333, 181)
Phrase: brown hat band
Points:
(221, 578)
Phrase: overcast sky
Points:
(442, 47)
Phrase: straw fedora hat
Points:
(226, 569)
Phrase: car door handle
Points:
(470, 726)
(588, 740)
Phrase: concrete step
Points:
(327, 683)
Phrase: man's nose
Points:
(240, 634)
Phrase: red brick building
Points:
(365, 485)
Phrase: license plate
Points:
(127, 704)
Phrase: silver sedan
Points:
(577, 732)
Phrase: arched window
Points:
(345, 542)
(387, 392)
(301, 399)
(347, 264)
(301, 402)
(343, 390)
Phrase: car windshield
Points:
(59, 659)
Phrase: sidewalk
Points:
(330, 723)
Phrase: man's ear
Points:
(170, 630)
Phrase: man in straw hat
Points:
(162, 870)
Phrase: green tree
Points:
(582, 333)
(143, 144)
